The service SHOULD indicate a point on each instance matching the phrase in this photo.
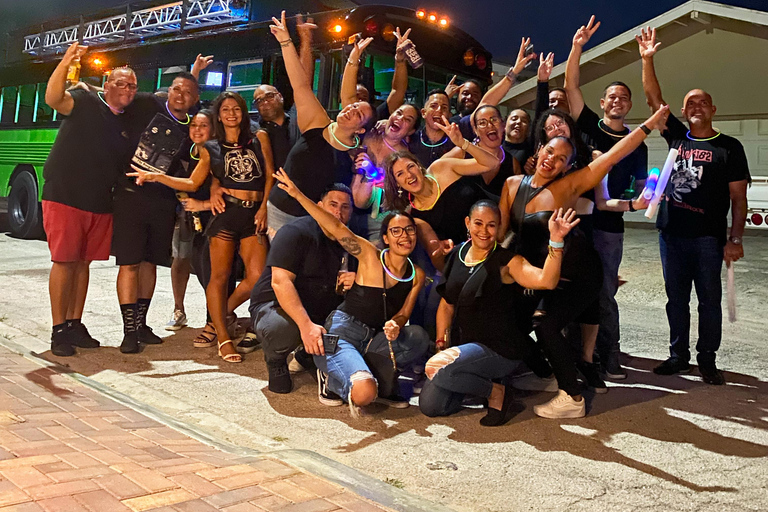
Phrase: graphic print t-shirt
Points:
(697, 195)
(238, 167)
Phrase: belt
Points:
(243, 203)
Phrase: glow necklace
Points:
(393, 276)
(333, 134)
(176, 118)
(701, 140)
(113, 109)
(193, 157)
(442, 141)
(476, 262)
(387, 144)
(600, 124)
(436, 198)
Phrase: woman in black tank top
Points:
(243, 163)
(371, 320)
(552, 187)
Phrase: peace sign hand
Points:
(279, 29)
(305, 28)
(452, 131)
(584, 33)
(402, 40)
(545, 66)
(646, 43)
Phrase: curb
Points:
(311, 462)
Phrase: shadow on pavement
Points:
(644, 405)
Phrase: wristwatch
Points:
(735, 240)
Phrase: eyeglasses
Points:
(125, 85)
(397, 231)
(555, 125)
(267, 97)
(484, 123)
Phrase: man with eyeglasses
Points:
(608, 233)
(91, 150)
(145, 215)
(280, 125)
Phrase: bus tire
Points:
(25, 213)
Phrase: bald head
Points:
(698, 110)
(269, 102)
(120, 87)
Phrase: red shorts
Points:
(76, 235)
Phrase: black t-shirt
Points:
(465, 125)
(302, 248)
(91, 150)
(520, 151)
(427, 151)
(238, 167)
(698, 195)
(634, 165)
(282, 137)
(311, 166)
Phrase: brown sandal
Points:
(230, 358)
(206, 338)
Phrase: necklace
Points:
(113, 109)
(476, 263)
(428, 176)
(442, 141)
(333, 134)
(174, 117)
(601, 124)
(701, 140)
(236, 145)
(193, 157)
(387, 144)
(393, 276)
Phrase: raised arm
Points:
(496, 93)
(191, 184)
(201, 62)
(400, 77)
(571, 85)
(349, 78)
(588, 177)
(648, 46)
(306, 57)
(480, 162)
(534, 278)
(56, 95)
(542, 88)
(309, 112)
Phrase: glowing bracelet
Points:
(556, 245)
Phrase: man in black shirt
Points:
(297, 289)
(608, 220)
(710, 176)
(145, 215)
(91, 150)
(281, 126)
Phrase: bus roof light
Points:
(432, 18)
(469, 57)
(337, 28)
(421, 14)
(97, 62)
(371, 28)
(481, 61)
(443, 22)
(388, 32)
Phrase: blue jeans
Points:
(471, 373)
(357, 340)
(697, 262)
(610, 247)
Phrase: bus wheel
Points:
(25, 213)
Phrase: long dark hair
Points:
(394, 200)
(385, 224)
(245, 124)
(207, 113)
(583, 155)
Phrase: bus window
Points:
(244, 76)
(43, 113)
(8, 105)
(165, 76)
(26, 108)
(211, 82)
(147, 79)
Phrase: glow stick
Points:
(650, 184)
(661, 185)
(731, 288)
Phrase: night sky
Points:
(498, 24)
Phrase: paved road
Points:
(658, 443)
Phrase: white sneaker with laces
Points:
(562, 406)
(178, 321)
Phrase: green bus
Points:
(159, 42)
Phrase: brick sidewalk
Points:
(65, 447)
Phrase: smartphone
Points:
(528, 51)
(330, 343)
(354, 38)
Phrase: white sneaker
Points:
(178, 321)
(562, 406)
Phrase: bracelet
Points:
(511, 75)
(353, 63)
(556, 245)
(465, 145)
(285, 43)
(645, 129)
(553, 251)
(631, 206)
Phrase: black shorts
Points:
(236, 223)
(143, 228)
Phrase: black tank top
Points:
(238, 167)
(506, 169)
(447, 216)
(366, 303)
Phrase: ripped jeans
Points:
(357, 340)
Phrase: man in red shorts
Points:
(91, 149)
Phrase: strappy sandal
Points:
(230, 358)
(206, 338)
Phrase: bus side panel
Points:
(28, 147)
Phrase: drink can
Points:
(414, 59)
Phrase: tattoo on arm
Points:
(351, 245)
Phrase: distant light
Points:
(214, 78)
(432, 17)
(97, 62)
(481, 61)
(469, 58)
(421, 14)
(337, 28)
(444, 22)
(388, 32)
(371, 28)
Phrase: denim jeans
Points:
(697, 262)
(472, 373)
(610, 247)
(356, 340)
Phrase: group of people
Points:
(394, 239)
